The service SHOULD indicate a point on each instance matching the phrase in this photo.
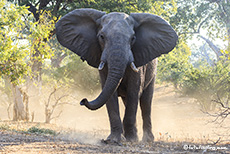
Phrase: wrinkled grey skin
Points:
(114, 42)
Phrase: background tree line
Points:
(32, 60)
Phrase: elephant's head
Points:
(116, 40)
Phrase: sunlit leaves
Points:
(165, 9)
(130, 6)
(194, 15)
(208, 83)
(40, 33)
(19, 38)
(173, 66)
(12, 51)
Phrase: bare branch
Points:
(59, 99)
(218, 102)
(57, 6)
(224, 13)
(59, 114)
(213, 47)
(56, 103)
(33, 10)
(199, 27)
(222, 114)
(48, 102)
(215, 142)
(66, 103)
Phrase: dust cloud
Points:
(174, 118)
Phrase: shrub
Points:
(207, 84)
(36, 130)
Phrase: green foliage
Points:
(208, 83)
(43, 131)
(82, 76)
(116, 6)
(4, 127)
(67, 69)
(20, 38)
(159, 7)
(33, 130)
(13, 52)
(173, 66)
(165, 9)
(74, 73)
(203, 81)
(40, 32)
(194, 15)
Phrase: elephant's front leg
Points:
(129, 122)
(115, 121)
(146, 105)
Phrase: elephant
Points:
(124, 48)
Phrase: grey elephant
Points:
(124, 48)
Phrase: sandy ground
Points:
(179, 126)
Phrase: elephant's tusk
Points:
(134, 68)
(101, 66)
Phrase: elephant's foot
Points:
(148, 137)
(111, 142)
(131, 136)
(114, 139)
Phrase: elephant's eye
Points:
(101, 36)
(101, 39)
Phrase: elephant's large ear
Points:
(154, 37)
(77, 31)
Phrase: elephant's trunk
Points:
(116, 69)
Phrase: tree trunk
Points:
(36, 65)
(34, 84)
(213, 47)
(56, 60)
(8, 91)
(26, 101)
(19, 112)
(205, 54)
(48, 115)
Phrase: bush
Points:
(207, 84)
(74, 73)
(36, 130)
(172, 67)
